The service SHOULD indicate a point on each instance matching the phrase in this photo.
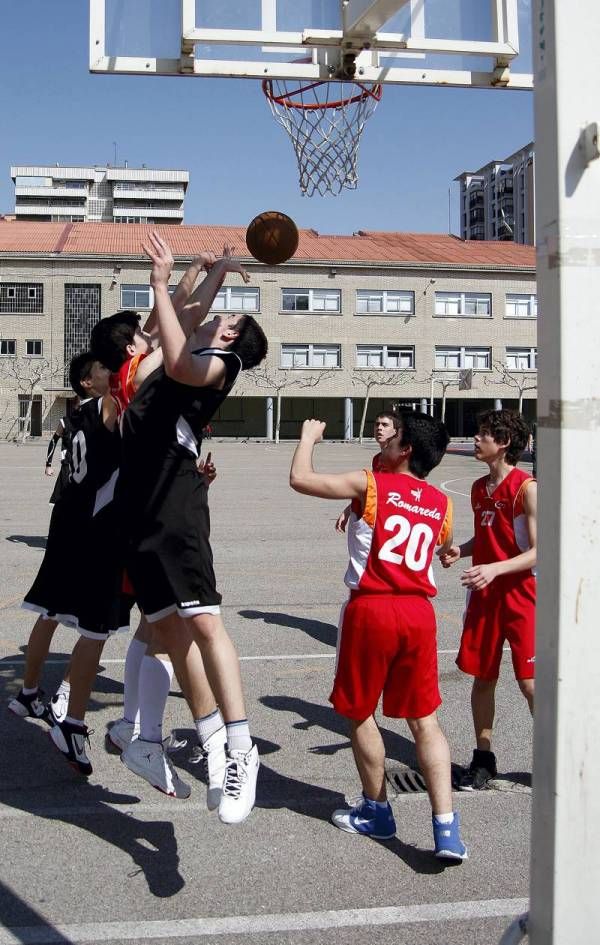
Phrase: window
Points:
(460, 304)
(385, 302)
(311, 356)
(521, 306)
(34, 348)
(521, 359)
(385, 356)
(318, 301)
(8, 347)
(237, 299)
(456, 358)
(136, 297)
(21, 298)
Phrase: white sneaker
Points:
(211, 758)
(121, 734)
(59, 706)
(150, 762)
(239, 786)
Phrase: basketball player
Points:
(386, 425)
(387, 636)
(87, 596)
(64, 433)
(169, 559)
(500, 584)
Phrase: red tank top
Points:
(392, 544)
(121, 382)
(499, 519)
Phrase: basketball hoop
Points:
(324, 121)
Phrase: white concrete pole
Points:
(348, 418)
(565, 863)
(497, 404)
(269, 418)
(423, 408)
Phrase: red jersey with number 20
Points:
(391, 541)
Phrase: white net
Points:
(324, 121)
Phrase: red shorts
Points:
(386, 644)
(496, 614)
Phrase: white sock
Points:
(238, 735)
(208, 725)
(154, 685)
(64, 689)
(79, 722)
(131, 696)
(444, 818)
(29, 692)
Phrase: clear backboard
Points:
(421, 42)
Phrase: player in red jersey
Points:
(387, 636)
(386, 425)
(501, 583)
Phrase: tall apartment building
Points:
(399, 316)
(99, 194)
(497, 201)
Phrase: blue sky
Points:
(239, 160)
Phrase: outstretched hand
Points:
(313, 430)
(162, 259)
(449, 557)
(204, 260)
(479, 576)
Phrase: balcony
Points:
(149, 212)
(43, 210)
(128, 192)
(48, 193)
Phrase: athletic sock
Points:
(131, 696)
(208, 725)
(381, 805)
(443, 818)
(238, 735)
(64, 689)
(154, 685)
(29, 692)
(72, 721)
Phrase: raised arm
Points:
(200, 301)
(304, 479)
(203, 261)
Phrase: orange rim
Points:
(287, 102)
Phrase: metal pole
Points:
(269, 418)
(565, 862)
(431, 397)
(348, 419)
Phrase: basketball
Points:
(272, 237)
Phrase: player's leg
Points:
(70, 735)
(483, 707)
(520, 634)
(222, 667)
(433, 755)
(28, 704)
(369, 754)
(127, 727)
(527, 687)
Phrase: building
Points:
(99, 194)
(497, 201)
(395, 316)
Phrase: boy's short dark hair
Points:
(428, 438)
(389, 415)
(80, 368)
(506, 426)
(251, 345)
(110, 337)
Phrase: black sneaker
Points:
(481, 770)
(30, 707)
(70, 740)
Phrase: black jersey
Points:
(162, 431)
(93, 462)
(64, 472)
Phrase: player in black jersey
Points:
(64, 433)
(169, 559)
(87, 595)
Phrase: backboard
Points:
(420, 42)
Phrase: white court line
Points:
(259, 924)
(444, 486)
(243, 659)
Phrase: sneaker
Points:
(366, 818)
(70, 740)
(30, 707)
(481, 770)
(59, 707)
(120, 735)
(149, 760)
(211, 758)
(446, 837)
(239, 785)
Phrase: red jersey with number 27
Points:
(392, 539)
(499, 519)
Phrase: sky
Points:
(240, 161)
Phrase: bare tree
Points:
(29, 376)
(277, 380)
(519, 381)
(370, 380)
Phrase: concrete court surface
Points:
(113, 860)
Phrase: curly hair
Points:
(507, 428)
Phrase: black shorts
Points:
(79, 581)
(170, 561)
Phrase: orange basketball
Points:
(272, 237)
